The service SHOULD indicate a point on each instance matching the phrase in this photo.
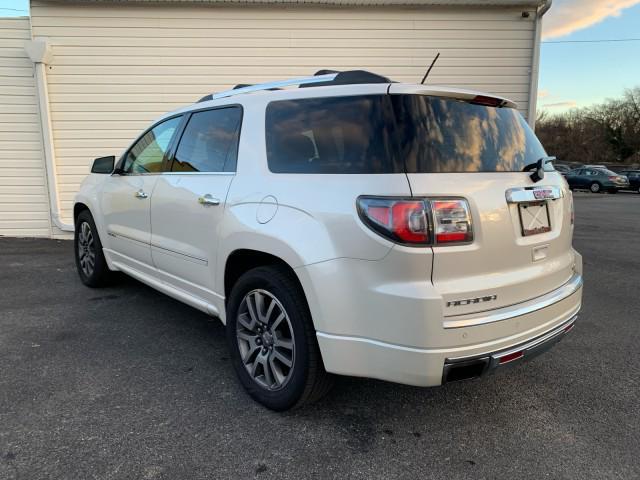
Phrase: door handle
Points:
(141, 194)
(207, 200)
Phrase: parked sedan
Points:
(634, 179)
(596, 179)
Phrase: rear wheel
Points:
(90, 262)
(272, 340)
(595, 187)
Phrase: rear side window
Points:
(331, 135)
(447, 135)
(209, 142)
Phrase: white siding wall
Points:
(118, 66)
(24, 207)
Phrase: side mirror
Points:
(104, 164)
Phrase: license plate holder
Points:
(534, 218)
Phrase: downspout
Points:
(39, 52)
(535, 66)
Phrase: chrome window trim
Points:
(472, 319)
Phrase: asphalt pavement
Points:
(127, 383)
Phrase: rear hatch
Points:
(475, 148)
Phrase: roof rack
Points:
(270, 85)
(320, 79)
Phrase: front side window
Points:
(209, 142)
(147, 154)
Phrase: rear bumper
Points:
(481, 346)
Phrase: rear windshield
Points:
(396, 133)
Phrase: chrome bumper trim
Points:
(472, 319)
(530, 349)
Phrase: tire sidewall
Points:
(299, 316)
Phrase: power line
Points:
(596, 41)
(14, 9)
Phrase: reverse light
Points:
(452, 221)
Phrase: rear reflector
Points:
(452, 221)
(511, 357)
(569, 327)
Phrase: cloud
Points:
(543, 94)
(567, 16)
(567, 104)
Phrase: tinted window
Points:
(147, 154)
(331, 135)
(209, 142)
(388, 133)
(445, 135)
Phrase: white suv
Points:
(358, 226)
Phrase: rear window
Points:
(396, 133)
(445, 135)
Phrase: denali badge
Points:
(470, 301)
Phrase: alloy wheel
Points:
(86, 249)
(595, 187)
(265, 339)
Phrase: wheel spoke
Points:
(259, 303)
(252, 311)
(266, 367)
(253, 348)
(283, 342)
(278, 376)
(276, 322)
(267, 315)
(247, 321)
(287, 362)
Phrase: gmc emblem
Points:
(471, 301)
(541, 194)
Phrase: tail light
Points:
(400, 220)
(614, 179)
(418, 221)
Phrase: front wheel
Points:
(272, 340)
(90, 262)
(595, 187)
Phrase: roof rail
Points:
(270, 85)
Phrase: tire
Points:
(261, 345)
(90, 262)
(595, 187)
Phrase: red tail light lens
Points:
(400, 220)
(451, 221)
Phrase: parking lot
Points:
(125, 382)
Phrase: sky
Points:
(577, 68)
